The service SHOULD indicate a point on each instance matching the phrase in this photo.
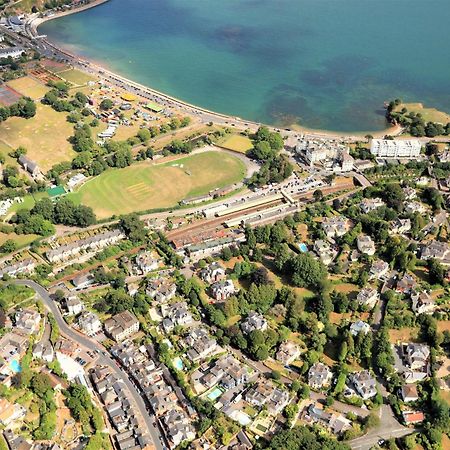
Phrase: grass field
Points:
(75, 77)
(44, 136)
(404, 335)
(28, 202)
(145, 186)
(428, 114)
(237, 143)
(29, 87)
(20, 239)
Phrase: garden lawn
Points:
(44, 136)
(29, 87)
(237, 143)
(146, 186)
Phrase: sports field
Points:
(146, 186)
(29, 87)
(237, 143)
(44, 136)
(75, 77)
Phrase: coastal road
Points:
(103, 359)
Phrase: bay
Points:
(325, 64)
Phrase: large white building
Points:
(13, 52)
(385, 148)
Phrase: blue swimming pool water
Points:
(15, 366)
(303, 248)
(178, 364)
(216, 393)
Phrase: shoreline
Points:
(99, 70)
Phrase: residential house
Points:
(75, 181)
(437, 250)
(379, 270)
(409, 393)
(161, 289)
(83, 281)
(410, 193)
(324, 251)
(66, 347)
(359, 327)
(254, 321)
(370, 204)
(122, 325)
(365, 244)
(145, 263)
(12, 346)
(89, 323)
(401, 226)
(259, 393)
(288, 352)
(16, 442)
(414, 206)
(417, 356)
(200, 345)
(368, 297)
(319, 376)
(25, 266)
(347, 161)
(265, 393)
(44, 351)
(235, 373)
(178, 427)
(422, 303)
(90, 244)
(10, 412)
(406, 284)
(74, 305)
(365, 384)
(413, 417)
(177, 314)
(30, 166)
(336, 423)
(278, 400)
(28, 321)
(212, 273)
(335, 226)
(221, 290)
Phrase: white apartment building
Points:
(384, 148)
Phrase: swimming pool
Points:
(215, 394)
(15, 366)
(177, 363)
(303, 248)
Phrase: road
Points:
(388, 428)
(103, 359)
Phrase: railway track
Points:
(217, 222)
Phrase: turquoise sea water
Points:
(326, 64)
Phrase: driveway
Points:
(103, 359)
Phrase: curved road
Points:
(103, 358)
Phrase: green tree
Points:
(106, 104)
